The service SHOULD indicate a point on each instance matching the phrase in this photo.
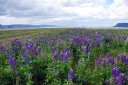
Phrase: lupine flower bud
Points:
(79, 79)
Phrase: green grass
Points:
(123, 32)
(8, 35)
(42, 69)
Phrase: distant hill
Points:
(25, 26)
(121, 25)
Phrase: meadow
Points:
(62, 56)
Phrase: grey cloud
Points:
(73, 3)
(126, 2)
(31, 8)
(3, 10)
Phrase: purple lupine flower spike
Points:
(61, 56)
(88, 55)
(84, 49)
(115, 72)
(65, 49)
(107, 82)
(39, 51)
(118, 57)
(104, 63)
(119, 79)
(71, 75)
(55, 56)
(123, 57)
(64, 57)
(127, 80)
(7, 52)
(79, 79)
(53, 50)
(83, 60)
(107, 57)
(26, 58)
(1, 48)
(12, 62)
(111, 61)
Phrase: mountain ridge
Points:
(121, 25)
(25, 26)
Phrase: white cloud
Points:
(50, 11)
(121, 2)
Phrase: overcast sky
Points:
(64, 12)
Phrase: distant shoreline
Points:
(26, 28)
(2, 29)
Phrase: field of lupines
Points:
(69, 57)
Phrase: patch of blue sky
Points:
(109, 2)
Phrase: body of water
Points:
(65, 27)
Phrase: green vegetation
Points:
(123, 32)
(7, 35)
(64, 57)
